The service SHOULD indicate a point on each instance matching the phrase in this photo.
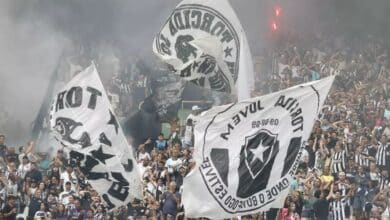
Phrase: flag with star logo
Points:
(84, 124)
(247, 153)
(204, 42)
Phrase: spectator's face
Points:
(160, 137)
(12, 167)
(50, 198)
(2, 139)
(295, 196)
(77, 204)
(326, 171)
(383, 139)
(25, 161)
(61, 207)
(317, 183)
(69, 169)
(54, 180)
(71, 199)
(41, 186)
(37, 193)
(175, 153)
(67, 187)
(55, 169)
(89, 214)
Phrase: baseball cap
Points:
(195, 108)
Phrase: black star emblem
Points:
(228, 51)
(113, 121)
(98, 154)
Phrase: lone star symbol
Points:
(228, 51)
(113, 121)
(98, 154)
(258, 153)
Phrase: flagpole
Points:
(37, 127)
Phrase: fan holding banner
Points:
(82, 121)
(247, 153)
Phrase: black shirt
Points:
(34, 175)
(7, 209)
(35, 205)
(321, 209)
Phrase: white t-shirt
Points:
(23, 169)
(173, 163)
(72, 178)
(143, 156)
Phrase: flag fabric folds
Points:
(82, 121)
(247, 152)
(203, 41)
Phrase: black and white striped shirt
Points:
(338, 162)
(338, 209)
(381, 155)
(359, 160)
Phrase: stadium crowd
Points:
(344, 172)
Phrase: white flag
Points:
(247, 153)
(204, 43)
(83, 122)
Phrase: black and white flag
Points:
(203, 41)
(247, 153)
(83, 121)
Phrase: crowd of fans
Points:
(344, 172)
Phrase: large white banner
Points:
(83, 122)
(247, 153)
(204, 43)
